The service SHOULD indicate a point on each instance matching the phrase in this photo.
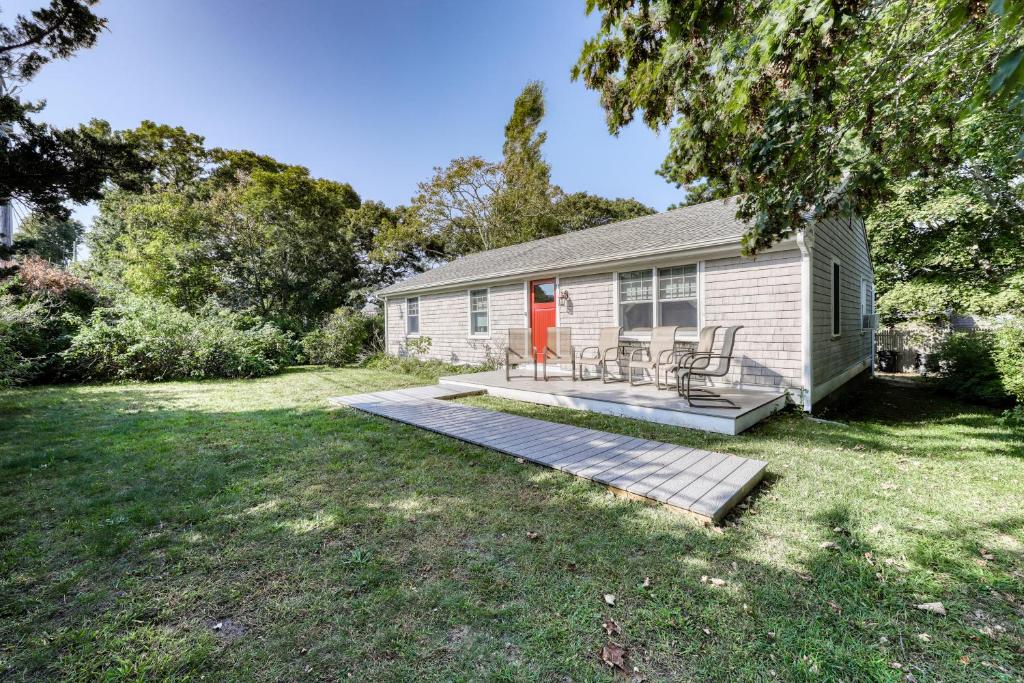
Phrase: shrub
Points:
(22, 340)
(41, 308)
(426, 369)
(346, 337)
(1008, 354)
(967, 369)
(145, 339)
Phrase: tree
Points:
(282, 245)
(955, 242)
(41, 166)
(524, 206)
(579, 211)
(806, 108)
(52, 238)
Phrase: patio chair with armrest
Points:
(685, 358)
(559, 350)
(705, 366)
(659, 355)
(519, 350)
(606, 351)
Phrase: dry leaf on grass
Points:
(611, 627)
(933, 607)
(614, 656)
(609, 599)
(647, 582)
(532, 535)
(835, 606)
(828, 545)
(718, 583)
(986, 555)
(924, 637)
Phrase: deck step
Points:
(701, 483)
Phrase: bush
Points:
(22, 340)
(145, 339)
(985, 367)
(426, 369)
(41, 308)
(1009, 358)
(346, 337)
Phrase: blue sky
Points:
(371, 93)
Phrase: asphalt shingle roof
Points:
(710, 223)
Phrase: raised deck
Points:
(701, 483)
(643, 402)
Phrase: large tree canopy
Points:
(41, 166)
(806, 107)
(954, 243)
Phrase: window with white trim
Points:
(867, 303)
(412, 315)
(636, 300)
(677, 296)
(479, 311)
(837, 319)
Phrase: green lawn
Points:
(242, 530)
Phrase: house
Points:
(806, 305)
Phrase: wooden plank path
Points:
(702, 483)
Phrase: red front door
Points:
(543, 301)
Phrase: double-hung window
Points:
(412, 315)
(636, 300)
(479, 306)
(677, 296)
(867, 304)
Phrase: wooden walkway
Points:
(703, 483)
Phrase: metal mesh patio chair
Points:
(559, 350)
(659, 355)
(704, 366)
(519, 350)
(606, 351)
(687, 358)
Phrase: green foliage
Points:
(419, 346)
(473, 204)
(346, 337)
(41, 307)
(146, 339)
(579, 211)
(1008, 354)
(52, 238)
(967, 368)
(22, 337)
(42, 166)
(953, 241)
(805, 108)
(427, 370)
(238, 229)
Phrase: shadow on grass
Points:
(334, 542)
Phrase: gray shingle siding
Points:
(763, 295)
(844, 241)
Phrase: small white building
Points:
(806, 305)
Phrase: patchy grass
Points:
(240, 530)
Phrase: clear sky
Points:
(371, 93)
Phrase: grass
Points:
(241, 530)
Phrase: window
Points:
(636, 300)
(478, 311)
(867, 304)
(837, 326)
(677, 296)
(543, 292)
(412, 315)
